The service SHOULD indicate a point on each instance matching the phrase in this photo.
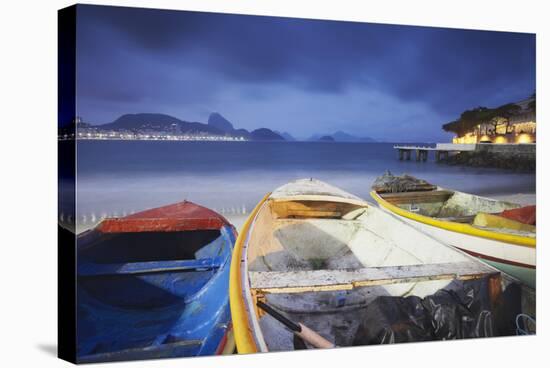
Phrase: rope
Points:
(524, 330)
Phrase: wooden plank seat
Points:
(461, 219)
(417, 197)
(98, 269)
(276, 282)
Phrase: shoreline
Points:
(524, 199)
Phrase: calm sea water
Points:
(116, 178)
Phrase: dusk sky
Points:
(389, 82)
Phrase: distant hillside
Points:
(341, 136)
(287, 136)
(327, 138)
(159, 122)
(218, 121)
(144, 120)
(242, 133)
(217, 126)
(264, 134)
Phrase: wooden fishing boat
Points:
(155, 284)
(483, 227)
(316, 258)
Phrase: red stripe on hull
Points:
(222, 344)
(495, 259)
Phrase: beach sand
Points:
(238, 220)
(520, 198)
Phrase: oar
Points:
(306, 333)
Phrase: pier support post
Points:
(422, 153)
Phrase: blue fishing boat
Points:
(154, 284)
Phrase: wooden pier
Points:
(441, 151)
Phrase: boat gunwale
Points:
(467, 229)
(244, 340)
(321, 198)
(156, 220)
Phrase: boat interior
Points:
(458, 207)
(148, 246)
(125, 279)
(111, 266)
(323, 262)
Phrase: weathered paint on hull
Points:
(244, 340)
(132, 309)
(323, 218)
(457, 227)
(522, 259)
(526, 274)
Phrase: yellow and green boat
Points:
(471, 223)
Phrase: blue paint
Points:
(143, 310)
(92, 269)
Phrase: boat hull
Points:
(526, 274)
(516, 260)
(132, 307)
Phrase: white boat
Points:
(469, 223)
(322, 256)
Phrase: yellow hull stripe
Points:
(456, 227)
(243, 335)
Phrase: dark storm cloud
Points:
(190, 63)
